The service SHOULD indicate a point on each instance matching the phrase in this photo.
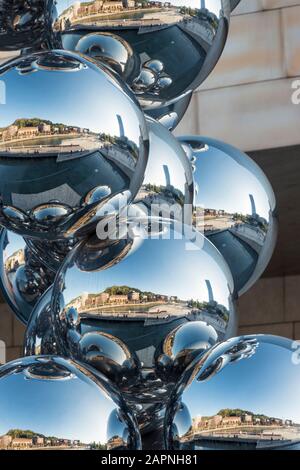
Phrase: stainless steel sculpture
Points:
(234, 206)
(63, 161)
(176, 44)
(23, 276)
(139, 291)
(168, 188)
(123, 249)
(242, 394)
(102, 421)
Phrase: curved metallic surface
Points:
(242, 394)
(23, 276)
(181, 346)
(40, 337)
(178, 43)
(28, 24)
(113, 51)
(234, 4)
(168, 188)
(68, 156)
(171, 114)
(101, 421)
(234, 206)
(139, 289)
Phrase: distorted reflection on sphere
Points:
(242, 394)
(235, 207)
(23, 276)
(68, 152)
(182, 345)
(168, 188)
(75, 411)
(29, 24)
(40, 337)
(138, 289)
(178, 43)
(112, 50)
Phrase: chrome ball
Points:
(138, 290)
(70, 155)
(168, 188)
(23, 276)
(178, 43)
(242, 394)
(28, 24)
(101, 421)
(235, 207)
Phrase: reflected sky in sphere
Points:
(266, 383)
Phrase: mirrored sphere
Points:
(178, 43)
(56, 403)
(73, 145)
(23, 276)
(168, 188)
(234, 4)
(242, 395)
(39, 338)
(234, 206)
(136, 291)
(28, 24)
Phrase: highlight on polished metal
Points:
(28, 25)
(136, 291)
(167, 190)
(23, 276)
(72, 140)
(47, 402)
(178, 43)
(242, 394)
(234, 206)
(39, 338)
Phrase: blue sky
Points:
(267, 383)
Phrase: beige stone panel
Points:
(262, 304)
(189, 124)
(278, 329)
(271, 4)
(252, 117)
(292, 298)
(6, 325)
(253, 51)
(291, 39)
(18, 332)
(247, 6)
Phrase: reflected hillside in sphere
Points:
(139, 290)
(61, 157)
(234, 206)
(241, 395)
(177, 43)
(57, 422)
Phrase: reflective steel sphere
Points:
(178, 43)
(73, 145)
(234, 4)
(242, 394)
(40, 337)
(28, 24)
(182, 345)
(168, 187)
(23, 276)
(235, 207)
(57, 403)
(135, 292)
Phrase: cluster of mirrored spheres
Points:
(124, 249)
